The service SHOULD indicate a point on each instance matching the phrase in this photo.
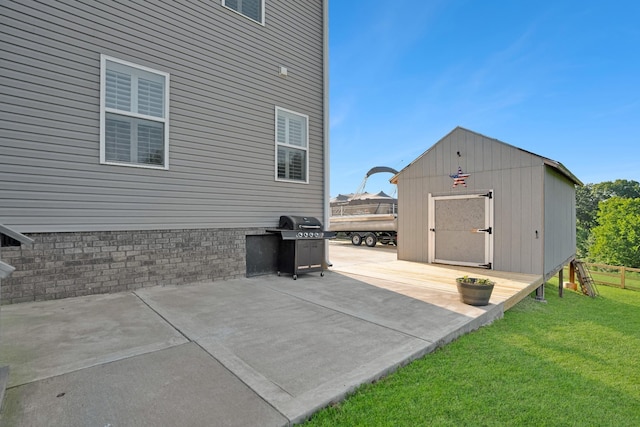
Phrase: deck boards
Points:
(431, 283)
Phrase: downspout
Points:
(325, 119)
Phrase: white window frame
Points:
(261, 21)
(293, 146)
(131, 115)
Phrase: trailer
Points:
(364, 217)
(369, 229)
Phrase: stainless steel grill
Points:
(301, 248)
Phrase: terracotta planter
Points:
(472, 293)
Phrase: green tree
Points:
(587, 199)
(586, 211)
(616, 238)
(618, 188)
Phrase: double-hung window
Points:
(252, 9)
(134, 115)
(292, 148)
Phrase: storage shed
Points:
(476, 201)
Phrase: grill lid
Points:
(291, 222)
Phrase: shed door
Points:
(461, 230)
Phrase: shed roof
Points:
(547, 161)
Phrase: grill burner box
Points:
(301, 248)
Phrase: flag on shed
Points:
(459, 178)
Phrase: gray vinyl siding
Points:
(224, 87)
(519, 183)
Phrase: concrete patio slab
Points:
(379, 305)
(178, 386)
(44, 339)
(284, 346)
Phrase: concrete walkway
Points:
(266, 351)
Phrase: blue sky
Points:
(558, 78)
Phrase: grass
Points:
(573, 361)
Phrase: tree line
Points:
(608, 223)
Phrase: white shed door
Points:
(461, 230)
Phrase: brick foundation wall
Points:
(61, 265)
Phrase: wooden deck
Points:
(431, 283)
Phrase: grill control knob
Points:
(306, 234)
(317, 234)
(299, 234)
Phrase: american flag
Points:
(459, 178)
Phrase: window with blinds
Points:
(292, 159)
(134, 115)
(252, 9)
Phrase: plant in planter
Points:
(474, 291)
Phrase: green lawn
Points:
(573, 361)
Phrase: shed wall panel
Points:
(559, 221)
(503, 245)
(537, 215)
(515, 214)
